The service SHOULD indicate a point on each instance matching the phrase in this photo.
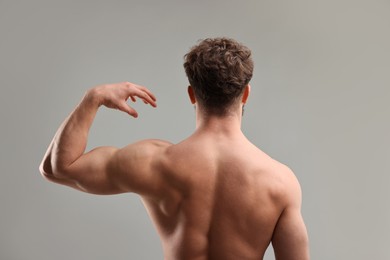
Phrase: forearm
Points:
(70, 141)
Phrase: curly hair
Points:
(218, 69)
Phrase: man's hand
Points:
(115, 96)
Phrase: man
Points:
(213, 195)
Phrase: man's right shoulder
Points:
(283, 182)
(291, 193)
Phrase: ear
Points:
(245, 96)
(191, 94)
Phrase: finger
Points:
(144, 89)
(146, 98)
(128, 109)
(134, 100)
(148, 92)
(141, 92)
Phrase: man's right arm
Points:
(290, 239)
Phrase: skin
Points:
(212, 196)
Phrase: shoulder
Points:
(140, 166)
(287, 188)
(142, 153)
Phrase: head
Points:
(219, 71)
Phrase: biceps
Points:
(95, 172)
(290, 239)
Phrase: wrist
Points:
(93, 97)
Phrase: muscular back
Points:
(223, 198)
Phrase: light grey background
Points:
(319, 103)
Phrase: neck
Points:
(226, 124)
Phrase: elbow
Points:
(45, 169)
(48, 170)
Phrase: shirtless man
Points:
(213, 195)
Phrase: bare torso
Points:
(222, 201)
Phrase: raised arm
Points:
(290, 240)
(98, 171)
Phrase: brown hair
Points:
(218, 69)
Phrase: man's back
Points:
(224, 200)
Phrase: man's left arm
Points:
(66, 162)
